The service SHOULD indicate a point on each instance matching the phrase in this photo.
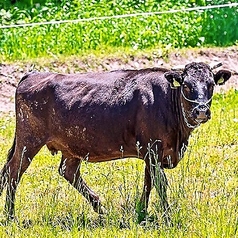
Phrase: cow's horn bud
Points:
(216, 65)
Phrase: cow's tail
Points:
(11, 150)
(3, 174)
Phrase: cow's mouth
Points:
(196, 116)
(200, 121)
(199, 114)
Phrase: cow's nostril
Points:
(208, 113)
(196, 111)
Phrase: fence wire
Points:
(144, 14)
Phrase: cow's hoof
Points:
(9, 220)
(167, 221)
(27, 224)
(147, 219)
(141, 216)
(101, 210)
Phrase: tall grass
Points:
(184, 29)
(202, 190)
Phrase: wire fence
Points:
(144, 14)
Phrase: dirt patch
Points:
(10, 74)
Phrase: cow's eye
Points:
(187, 88)
(211, 87)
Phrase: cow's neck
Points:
(183, 125)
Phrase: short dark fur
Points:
(106, 116)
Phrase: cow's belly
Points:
(106, 148)
(91, 152)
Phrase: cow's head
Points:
(196, 83)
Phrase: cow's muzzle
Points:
(201, 113)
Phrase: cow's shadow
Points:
(85, 221)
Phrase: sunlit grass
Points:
(175, 30)
(203, 189)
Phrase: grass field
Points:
(203, 189)
(211, 27)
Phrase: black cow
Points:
(107, 116)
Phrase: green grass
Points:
(214, 27)
(202, 190)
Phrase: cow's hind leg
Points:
(19, 158)
(70, 170)
(3, 174)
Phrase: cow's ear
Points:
(222, 76)
(175, 78)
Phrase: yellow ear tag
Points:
(175, 83)
(221, 81)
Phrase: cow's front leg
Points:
(154, 176)
(142, 206)
(70, 170)
(161, 183)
